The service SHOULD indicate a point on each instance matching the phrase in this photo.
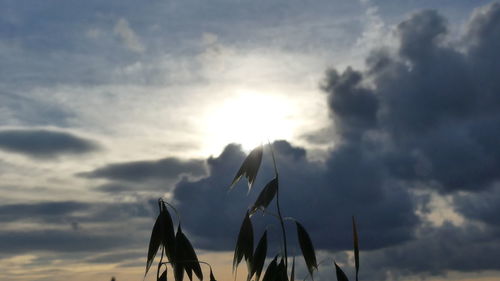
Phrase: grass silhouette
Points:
(178, 254)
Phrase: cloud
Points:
(25, 110)
(165, 169)
(115, 188)
(44, 143)
(69, 226)
(16, 242)
(128, 36)
(465, 248)
(65, 212)
(47, 211)
(429, 110)
(482, 206)
(323, 197)
(116, 257)
(422, 117)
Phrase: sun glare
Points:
(248, 119)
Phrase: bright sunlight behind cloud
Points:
(249, 119)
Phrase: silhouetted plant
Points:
(175, 247)
(181, 257)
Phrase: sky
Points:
(382, 109)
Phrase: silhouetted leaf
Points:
(177, 264)
(307, 248)
(212, 277)
(189, 272)
(244, 245)
(356, 246)
(154, 241)
(340, 274)
(168, 234)
(259, 257)
(292, 275)
(271, 271)
(249, 168)
(282, 275)
(189, 258)
(163, 276)
(266, 196)
(178, 272)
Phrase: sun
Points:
(249, 119)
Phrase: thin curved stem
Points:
(319, 264)
(282, 225)
(266, 212)
(189, 261)
(274, 159)
(278, 205)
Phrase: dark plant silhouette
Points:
(181, 257)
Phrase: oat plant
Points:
(178, 254)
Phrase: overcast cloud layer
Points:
(103, 117)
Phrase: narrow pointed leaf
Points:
(244, 244)
(189, 272)
(259, 257)
(266, 196)
(189, 258)
(356, 246)
(212, 277)
(292, 275)
(282, 275)
(168, 233)
(163, 276)
(307, 248)
(340, 274)
(154, 242)
(177, 264)
(249, 168)
(271, 271)
(178, 272)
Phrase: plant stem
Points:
(189, 261)
(282, 225)
(276, 216)
(278, 205)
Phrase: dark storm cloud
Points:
(64, 226)
(17, 242)
(465, 248)
(432, 112)
(44, 143)
(427, 115)
(46, 211)
(436, 123)
(165, 169)
(482, 206)
(354, 106)
(65, 212)
(310, 193)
